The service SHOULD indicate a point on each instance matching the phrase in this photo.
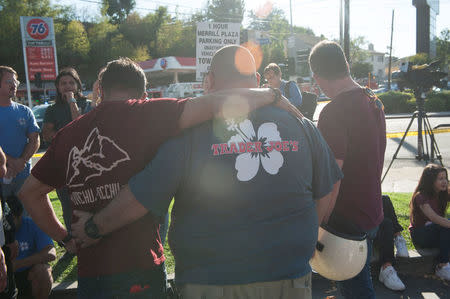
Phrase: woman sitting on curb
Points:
(388, 235)
(429, 226)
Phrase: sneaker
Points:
(443, 272)
(388, 276)
(400, 244)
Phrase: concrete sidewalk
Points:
(417, 287)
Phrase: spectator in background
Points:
(388, 236)
(353, 124)
(19, 134)
(19, 139)
(95, 95)
(33, 274)
(429, 226)
(69, 105)
(289, 89)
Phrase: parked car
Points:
(39, 113)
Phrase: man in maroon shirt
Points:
(353, 124)
(95, 155)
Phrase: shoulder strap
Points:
(287, 92)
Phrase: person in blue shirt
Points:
(249, 194)
(19, 133)
(33, 274)
(289, 89)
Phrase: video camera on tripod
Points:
(420, 77)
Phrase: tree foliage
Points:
(443, 49)
(357, 51)
(10, 37)
(420, 58)
(73, 44)
(89, 44)
(118, 10)
(361, 69)
(225, 11)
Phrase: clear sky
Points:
(369, 18)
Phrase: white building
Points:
(379, 62)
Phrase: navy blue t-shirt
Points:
(244, 191)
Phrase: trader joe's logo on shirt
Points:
(253, 149)
(98, 155)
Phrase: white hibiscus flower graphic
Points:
(247, 164)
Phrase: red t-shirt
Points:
(97, 154)
(418, 218)
(353, 124)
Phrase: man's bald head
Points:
(233, 66)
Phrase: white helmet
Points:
(339, 256)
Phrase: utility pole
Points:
(390, 52)
(347, 30)
(341, 32)
(290, 9)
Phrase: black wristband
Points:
(64, 241)
(276, 94)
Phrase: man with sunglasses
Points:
(19, 139)
(19, 134)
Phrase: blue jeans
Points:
(433, 236)
(361, 285)
(149, 284)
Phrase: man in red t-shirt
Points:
(353, 124)
(95, 155)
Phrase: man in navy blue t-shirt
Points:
(246, 191)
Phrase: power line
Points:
(143, 8)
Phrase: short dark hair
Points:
(233, 63)
(123, 74)
(68, 71)
(6, 69)
(327, 60)
(14, 205)
(273, 67)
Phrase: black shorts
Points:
(23, 284)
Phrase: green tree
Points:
(177, 39)
(443, 49)
(420, 58)
(10, 37)
(361, 69)
(73, 44)
(118, 10)
(225, 10)
(357, 51)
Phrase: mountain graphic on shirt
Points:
(98, 155)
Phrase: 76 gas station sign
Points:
(38, 38)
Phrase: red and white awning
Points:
(169, 64)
